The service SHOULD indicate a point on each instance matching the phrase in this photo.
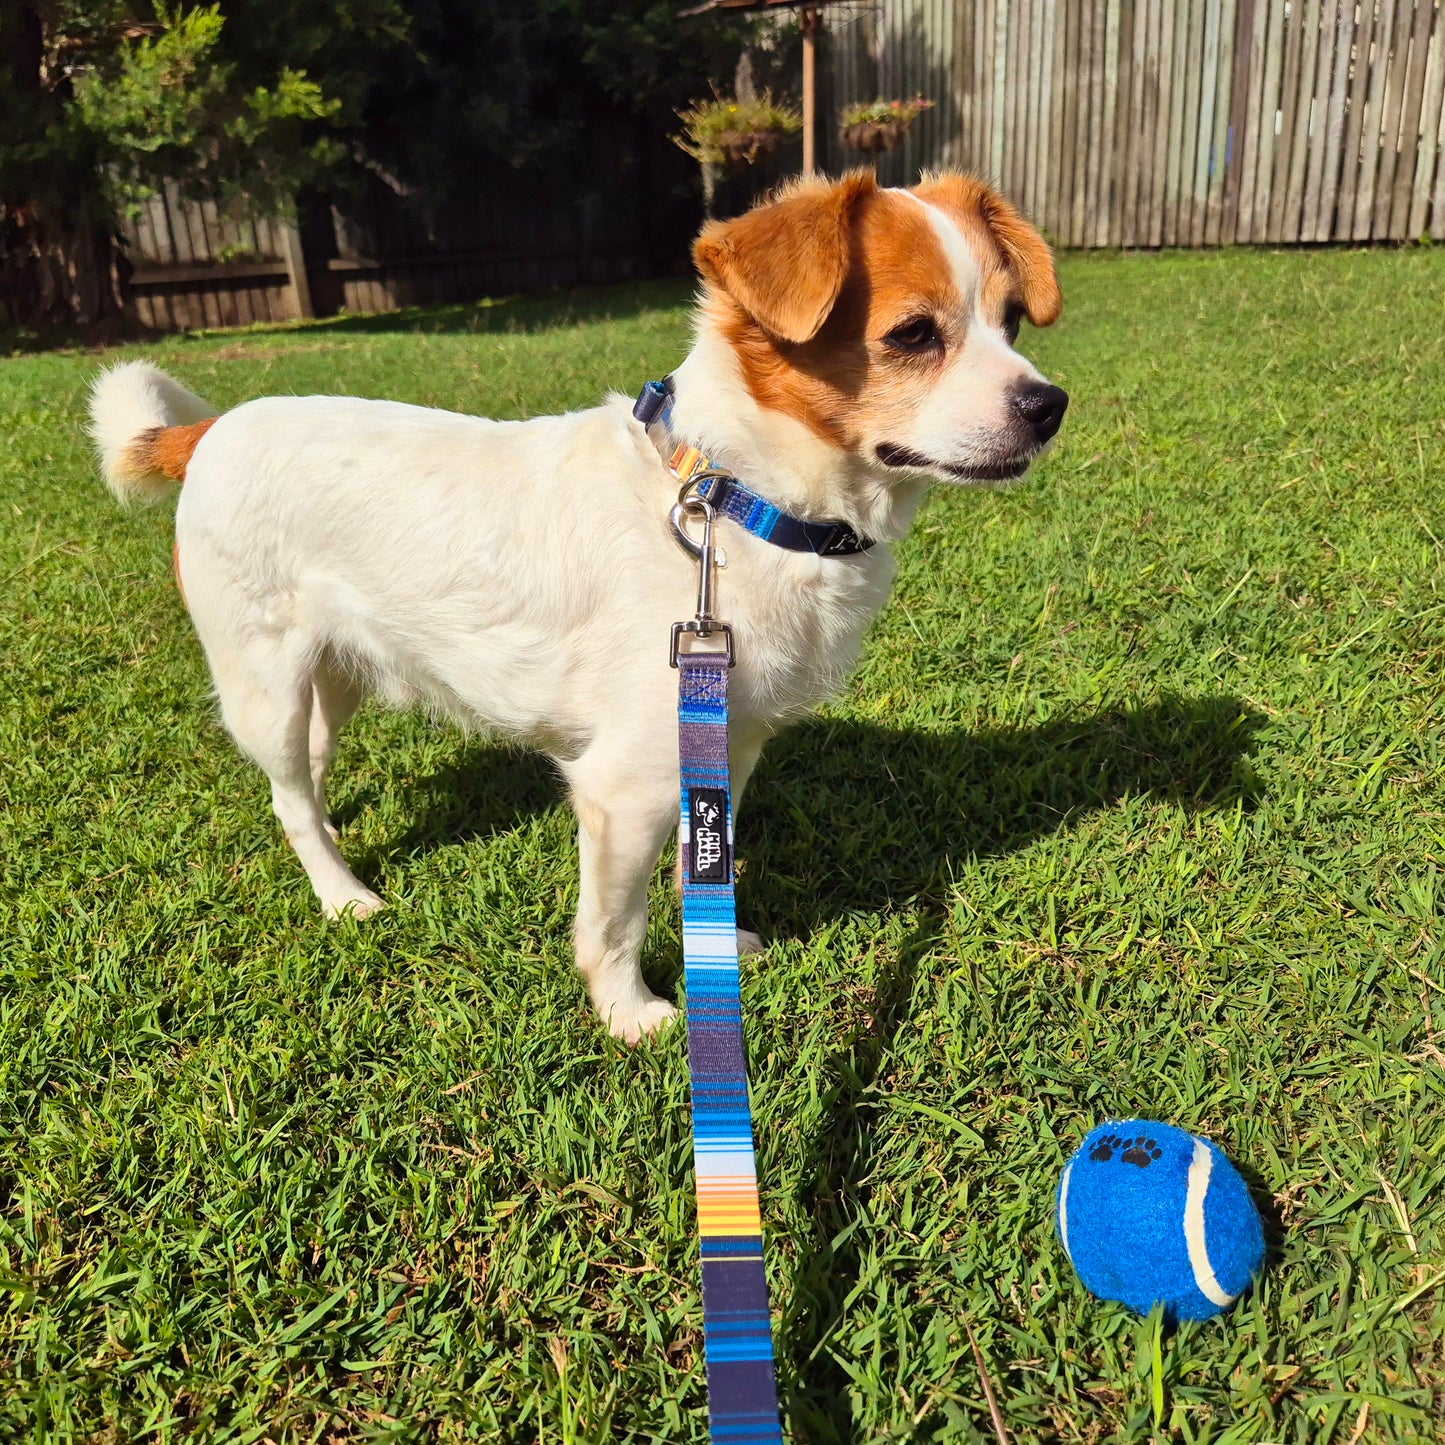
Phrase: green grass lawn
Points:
(1135, 806)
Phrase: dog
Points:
(853, 345)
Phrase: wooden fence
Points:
(372, 249)
(1167, 122)
(193, 267)
(1112, 122)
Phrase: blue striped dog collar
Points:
(730, 498)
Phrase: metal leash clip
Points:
(690, 504)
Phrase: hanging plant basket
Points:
(742, 148)
(871, 136)
(736, 133)
(880, 125)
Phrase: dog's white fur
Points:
(520, 576)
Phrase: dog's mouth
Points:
(1006, 469)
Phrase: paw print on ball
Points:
(1104, 1149)
(1142, 1151)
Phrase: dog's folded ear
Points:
(1029, 258)
(785, 261)
(1024, 251)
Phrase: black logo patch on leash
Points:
(709, 856)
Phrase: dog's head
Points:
(885, 320)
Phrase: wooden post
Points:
(298, 283)
(810, 92)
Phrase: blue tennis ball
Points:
(1151, 1215)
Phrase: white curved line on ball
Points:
(1200, 1168)
(1064, 1211)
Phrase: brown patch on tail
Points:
(166, 450)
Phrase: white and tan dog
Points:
(853, 344)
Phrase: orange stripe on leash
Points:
(176, 568)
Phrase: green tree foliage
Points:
(100, 103)
(168, 108)
(532, 82)
(249, 101)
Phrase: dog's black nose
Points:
(1040, 405)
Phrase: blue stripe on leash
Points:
(737, 1330)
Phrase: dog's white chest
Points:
(799, 623)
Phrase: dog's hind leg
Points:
(336, 693)
(623, 821)
(264, 680)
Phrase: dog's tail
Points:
(145, 426)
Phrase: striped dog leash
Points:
(737, 1331)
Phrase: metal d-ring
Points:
(691, 503)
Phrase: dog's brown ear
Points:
(1029, 259)
(1025, 252)
(785, 261)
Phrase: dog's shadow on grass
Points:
(484, 791)
(846, 817)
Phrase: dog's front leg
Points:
(622, 826)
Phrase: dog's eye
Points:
(919, 334)
(1012, 320)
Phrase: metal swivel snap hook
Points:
(691, 503)
(704, 624)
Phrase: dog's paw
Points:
(333, 832)
(355, 905)
(750, 943)
(636, 1020)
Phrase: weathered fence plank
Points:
(1425, 156)
(1379, 68)
(1334, 125)
(1156, 150)
(1204, 145)
(1196, 80)
(1361, 162)
(1390, 115)
(1176, 57)
(1437, 213)
(1398, 221)
(997, 120)
(1357, 107)
(1294, 123)
(1246, 135)
(1064, 118)
(1267, 133)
